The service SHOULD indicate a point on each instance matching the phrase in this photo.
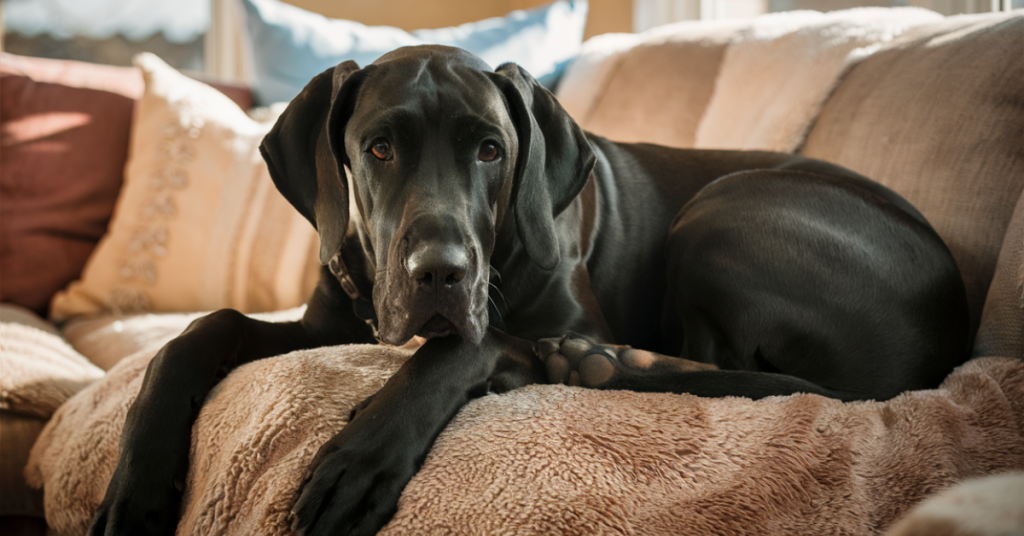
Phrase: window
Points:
(650, 13)
(108, 31)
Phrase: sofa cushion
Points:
(937, 116)
(1002, 321)
(64, 129)
(778, 72)
(198, 225)
(661, 87)
(291, 45)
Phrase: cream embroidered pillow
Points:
(199, 224)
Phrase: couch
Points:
(929, 106)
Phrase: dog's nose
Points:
(435, 264)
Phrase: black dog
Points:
(486, 221)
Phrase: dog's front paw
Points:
(353, 486)
(130, 508)
(578, 360)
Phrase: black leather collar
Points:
(361, 305)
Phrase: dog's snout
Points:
(433, 264)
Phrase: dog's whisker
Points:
(502, 296)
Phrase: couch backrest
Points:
(661, 88)
(1002, 321)
(938, 116)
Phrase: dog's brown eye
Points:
(488, 151)
(381, 149)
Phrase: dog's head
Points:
(442, 154)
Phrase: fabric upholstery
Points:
(557, 459)
(645, 100)
(1002, 321)
(64, 129)
(40, 370)
(199, 224)
(937, 117)
(989, 506)
(291, 45)
(777, 73)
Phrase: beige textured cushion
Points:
(778, 72)
(199, 224)
(1002, 321)
(659, 89)
(937, 117)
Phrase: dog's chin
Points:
(437, 326)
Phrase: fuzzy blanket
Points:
(555, 459)
(39, 370)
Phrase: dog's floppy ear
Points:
(303, 162)
(554, 162)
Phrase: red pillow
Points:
(64, 129)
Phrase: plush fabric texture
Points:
(556, 459)
(64, 129)
(108, 338)
(40, 370)
(15, 314)
(937, 116)
(1002, 321)
(990, 506)
(777, 73)
(199, 224)
(291, 45)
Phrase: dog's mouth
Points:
(437, 326)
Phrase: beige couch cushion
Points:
(937, 117)
(661, 87)
(1002, 321)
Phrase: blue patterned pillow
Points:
(292, 45)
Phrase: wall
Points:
(605, 15)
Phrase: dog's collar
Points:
(340, 271)
(362, 307)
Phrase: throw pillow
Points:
(291, 45)
(199, 224)
(64, 129)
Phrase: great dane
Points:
(463, 205)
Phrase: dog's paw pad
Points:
(557, 368)
(578, 360)
(596, 369)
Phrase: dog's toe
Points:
(557, 368)
(595, 370)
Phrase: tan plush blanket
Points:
(39, 370)
(554, 459)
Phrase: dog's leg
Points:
(354, 481)
(578, 360)
(145, 489)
